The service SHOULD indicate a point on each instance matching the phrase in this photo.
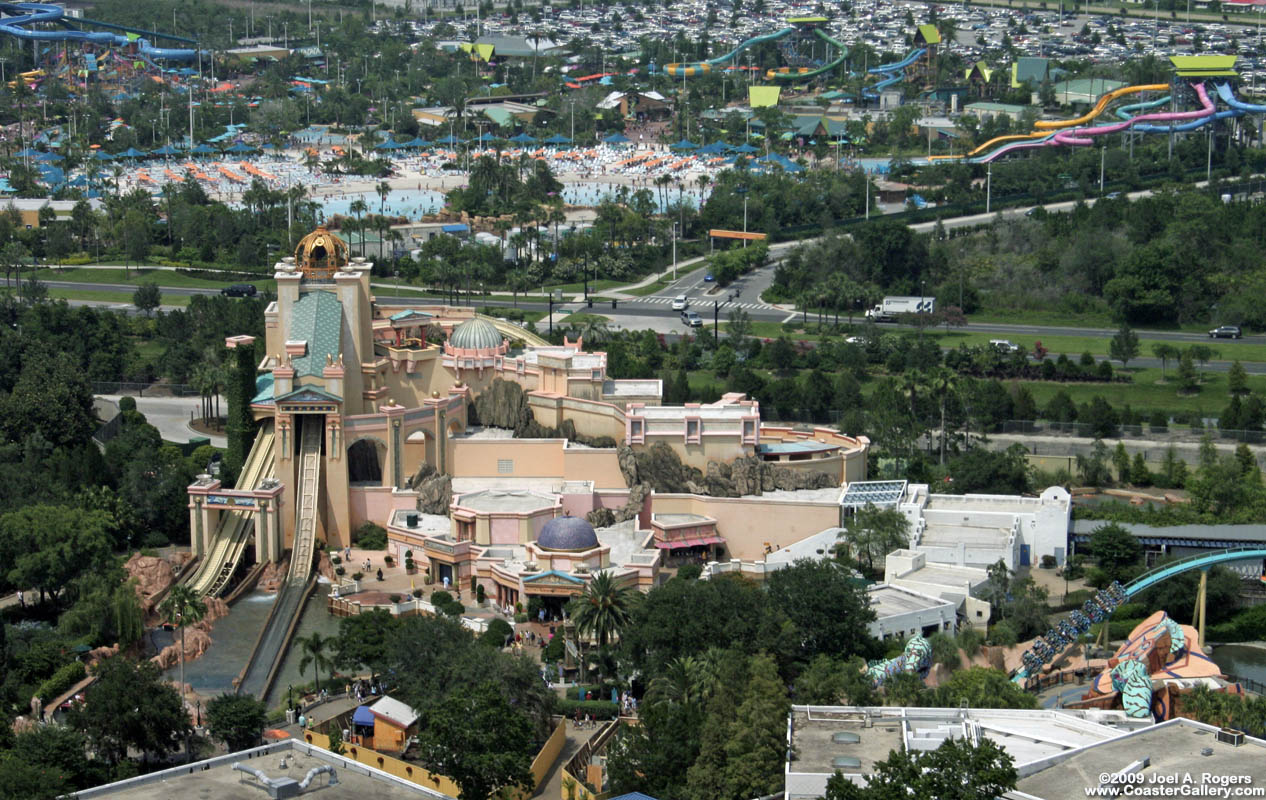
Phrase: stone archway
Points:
(366, 462)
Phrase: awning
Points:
(363, 715)
(681, 544)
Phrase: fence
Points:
(1166, 435)
(140, 389)
(1256, 687)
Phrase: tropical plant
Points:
(181, 607)
(315, 652)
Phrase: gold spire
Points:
(320, 254)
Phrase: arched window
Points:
(364, 462)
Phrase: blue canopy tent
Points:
(132, 152)
(205, 149)
(363, 721)
(29, 152)
(558, 138)
(616, 138)
(684, 144)
(390, 144)
(746, 148)
(49, 158)
(101, 155)
(485, 137)
(774, 159)
(241, 148)
(714, 149)
(417, 142)
(522, 138)
(451, 141)
(166, 150)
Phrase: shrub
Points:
(553, 651)
(336, 560)
(127, 404)
(395, 598)
(1048, 561)
(1003, 634)
(388, 560)
(60, 681)
(371, 537)
(969, 641)
(339, 571)
(598, 709)
(496, 633)
(357, 575)
(521, 617)
(1076, 598)
(417, 592)
(441, 598)
(1247, 625)
(689, 572)
(945, 651)
(480, 593)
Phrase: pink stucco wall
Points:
(375, 504)
(504, 530)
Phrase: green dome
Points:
(475, 334)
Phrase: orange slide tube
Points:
(1100, 106)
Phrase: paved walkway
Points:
(171, 416)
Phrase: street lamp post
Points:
(675, 251)
(988, 186)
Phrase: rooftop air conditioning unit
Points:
(1231, 736)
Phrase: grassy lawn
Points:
(1226, 349)
(651, 288)
(110, 297)
(1146, 393)
(512, 313)
(581, 318)
(133, 277)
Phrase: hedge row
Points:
(61, 681)
(598, 709)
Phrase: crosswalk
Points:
(696, 303)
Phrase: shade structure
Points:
(166, 150)
(486, 137)
(417, 141)
(522, 138)
(716, 148)
(390, 144)
(449, 140)
(617, 138)
(132, 152)
(746, 148)
(29, 152)
(205, 149)
(240, 147)
(558, 138)
(363, 716)
(49, 157)
(270, 146)
(684, 144)
(781, 161)
(101, 155)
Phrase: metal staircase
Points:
(234, 528)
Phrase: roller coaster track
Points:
(234, 528)
(261, 668)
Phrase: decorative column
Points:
(195, 526)
(263, 533)
(284, 429)
(395, 442)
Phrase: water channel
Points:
(1243, 661)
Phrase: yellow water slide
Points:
(224, 552)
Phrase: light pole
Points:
(675, 251)
(1102, 152)
(572, 103)
(988, 186)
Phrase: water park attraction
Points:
(1190, 97)
(791, 43)
(41, 22)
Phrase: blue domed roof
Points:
(475, 333)
(567, 533)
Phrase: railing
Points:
(1256, 687)
(1159, 573)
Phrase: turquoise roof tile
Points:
(318, 320)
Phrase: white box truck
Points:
(891, 307)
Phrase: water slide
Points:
(701, 67)
(1080, 136)
(224, 552)
(894, 72)
(1047, 648)
(792, 74)
(22, 15)
(1104, 100)
(261, 668)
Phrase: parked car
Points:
(1226, 332)
(708, 278)
(1005, 345)
(692, 319)
(680, 302)
(239, 290)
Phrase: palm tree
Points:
(679, 684)
(944, 382)
(359, 207)
(602, 610)
(314, 652)
(182, 607)
(594, 330)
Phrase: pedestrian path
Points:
(656, 299)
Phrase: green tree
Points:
(316, 651)
(147, 296)
(957, 770)
(130, 707)
(1140, 475)
(365, 641)
(476, 738)
(827, 606)
(182, 607)
(241, 425)
(47, 547)
(1094, 467)
(1164, 351)
(237, 720)
(1124, 345)
(602, 609)
(873, 532)
(1237, 378)
(1115, 549)
(51, 397)
(981, 687)
(1188, 380)
(1121, 462)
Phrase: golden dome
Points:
(320, 254)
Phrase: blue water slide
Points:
(898, 65)
(1127, 112)
(769, 37)
(1187, 126)
(1228, 97)
(24, 14)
